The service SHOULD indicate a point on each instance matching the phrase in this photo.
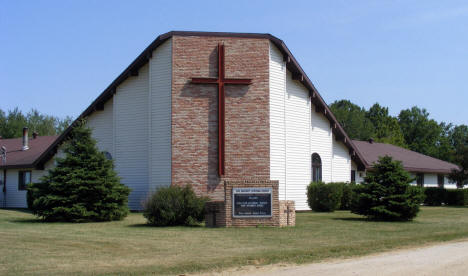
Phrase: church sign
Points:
(251, 202)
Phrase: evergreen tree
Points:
(82, 187)
(386, 193)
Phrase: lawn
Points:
(28, 246)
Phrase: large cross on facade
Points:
(221, 80)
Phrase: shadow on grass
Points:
(146, 225)
(364, 219)
(353, 219)
(140, 225)
(26, 220)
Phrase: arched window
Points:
(108, 155)
(316, 168)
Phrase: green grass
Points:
(28, 246)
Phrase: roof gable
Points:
(291, 64)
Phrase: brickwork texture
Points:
(195, 112)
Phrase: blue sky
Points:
(58, 56)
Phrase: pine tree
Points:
(386, 193)
(82, 187)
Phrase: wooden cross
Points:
(221, 81)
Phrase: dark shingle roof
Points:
(411, 160)
(17, 158)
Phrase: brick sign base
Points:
(219, 213)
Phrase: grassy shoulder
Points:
(130, 247)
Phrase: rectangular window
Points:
(441, 180)
(353, 176)
(24, 179)
(420, 179)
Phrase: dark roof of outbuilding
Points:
(291, 64)
(18, 158)
(412, 161)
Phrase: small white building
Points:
(427, 171)
(20, 167)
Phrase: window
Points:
(420, 179)
(24, 179)
(108, 155)
(353, 176)
(316, 168)
(441, 180)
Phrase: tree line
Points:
(412, 129)
(13, 121)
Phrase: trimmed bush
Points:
(456, 197)
(434, 196)
(323, 197)
(348, 195)
(174, 205)
(82, 187)
(386, 193)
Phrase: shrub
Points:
(82, 187)
(386, 193)
(456, 197)
(434, 196)
(348, 195)
(323, 197)
(174, 205)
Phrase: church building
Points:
(201, 108)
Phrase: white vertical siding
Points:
(131, 135)
(298, 157)
(17, 198)
(102, 125)
(297, 131)
(160, 66)
(359, 174)
(321, 142)
(277, 83)
(14, 197)
(341, 163)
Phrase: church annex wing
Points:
(291, 64)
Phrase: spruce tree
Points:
(386, 193)
(83, 185)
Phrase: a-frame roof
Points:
(291, 64)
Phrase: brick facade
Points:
(195, 112)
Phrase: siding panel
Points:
(322, 143)
(160, 116)
(277, 117)
(341, 163)
(102, 124)
(131, 136)
(17, 198)
(298, 156)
